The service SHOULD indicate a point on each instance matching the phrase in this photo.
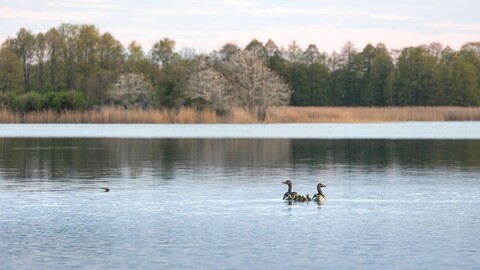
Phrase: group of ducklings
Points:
(292, 196)
(298, 198)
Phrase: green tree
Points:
(298, 77)
(55, 48)
(294, 57)
(110, 56)
(333, 62)
(170, 75)
(24, 46)
(170, 83)
(163, 52)
(317, 77)
(471, 52)
(258, 48)
(10, 71)
(87, 50)
(347, 78)
(417, 77)
(271, 48)
(465, 90)
(276, 62)
(445, 66)
(137, 61)
(97, 84)
(111, 52)
(70, 37)
(378, 76)
(40, 57)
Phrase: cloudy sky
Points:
(208, 24)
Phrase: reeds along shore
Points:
(274, 115)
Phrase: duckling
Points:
(319, 197)
(308, 198)
(289, 192)
(301, 198)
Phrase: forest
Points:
(76, 67)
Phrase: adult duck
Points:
(319, 197)
(289, 192)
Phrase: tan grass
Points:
(275, 115)
(371, 114)
(208, 116)
(187, 116)
(242, 116)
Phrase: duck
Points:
(294, 196)
(105, 189)
(289, 195)
(319, 197)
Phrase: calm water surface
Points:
(216, 204)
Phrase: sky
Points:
(206, 25)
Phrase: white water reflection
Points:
(400, 130)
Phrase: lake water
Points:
(216, 203)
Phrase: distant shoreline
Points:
(239, 116)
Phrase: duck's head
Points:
(320, 185)
(287, 182)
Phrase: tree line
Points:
(76, 66)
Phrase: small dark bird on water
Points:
(105, 189)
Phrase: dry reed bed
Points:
(371, 114)
(275, 115)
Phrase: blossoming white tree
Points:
(241, 80)
(212, 88)
(131, 90)
(254, 85)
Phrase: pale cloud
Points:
(94, 4)
(190, 11)
(203, 22)
(238, 3)
(389, 17)
(328, 38)
(331, 11)
(375, 16)
(143, 35)
(134, 30)
(450, 26)
(276, 11)
(11, 13)
(143, 19)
